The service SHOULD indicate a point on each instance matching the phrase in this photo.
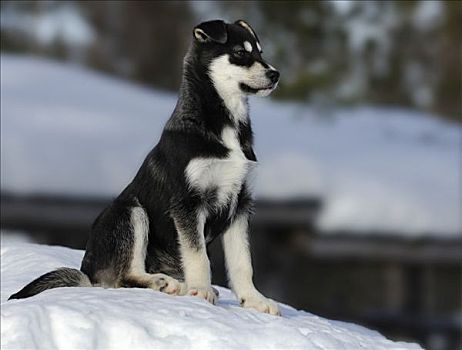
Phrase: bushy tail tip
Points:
(63, 277)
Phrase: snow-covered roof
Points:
(96, 318)
(49, 23)
(69, 130)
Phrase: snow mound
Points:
(96, 318)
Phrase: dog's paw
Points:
(260, 303)
(208, 293)
(166, 284)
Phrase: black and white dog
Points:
(191, 188)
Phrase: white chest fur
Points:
(226, 175)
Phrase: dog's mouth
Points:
(253, 90)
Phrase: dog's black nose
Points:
(273, 75)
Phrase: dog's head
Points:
(232, 54)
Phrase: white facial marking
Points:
(227, 77)
(247, 46)
(258, 47)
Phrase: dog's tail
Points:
(63, 277)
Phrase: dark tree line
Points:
(405, 53)
(386, 52)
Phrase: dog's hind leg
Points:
(136, 275)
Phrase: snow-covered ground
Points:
(65, 129)
(96, 318)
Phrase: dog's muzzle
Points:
(273, 75)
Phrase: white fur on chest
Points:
(226, 175)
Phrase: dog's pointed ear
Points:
(247, 27)
(211, 31)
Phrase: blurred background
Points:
(358, 190)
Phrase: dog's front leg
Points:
(196, 265)
(239, 266)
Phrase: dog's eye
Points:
(240, 53)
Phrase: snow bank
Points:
(70, 130)
(96, 318)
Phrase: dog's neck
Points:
(209, 103)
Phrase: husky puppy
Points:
(191, 188)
